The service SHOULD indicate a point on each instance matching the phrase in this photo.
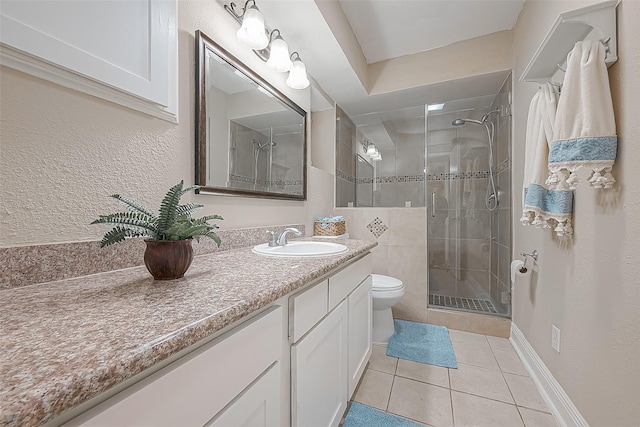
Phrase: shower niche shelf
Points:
(595, 22)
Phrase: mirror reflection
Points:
(251, 137)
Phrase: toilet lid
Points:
(385, 283)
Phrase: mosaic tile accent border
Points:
(240, 178)
(457, 176)
(344, 175)
(28, 265)
(502, 166)
(471, 304)
(377, 227)
(453, 176)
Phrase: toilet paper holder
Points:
(533, 254)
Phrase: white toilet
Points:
(386, 292)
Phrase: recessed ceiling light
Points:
(435, 107)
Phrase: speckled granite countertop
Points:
(65, 342)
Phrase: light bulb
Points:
(298, 75)
(279, 56)
(252, 33)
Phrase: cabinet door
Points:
(360, 306)
(257, 406)
(196, 387)
(319, 373)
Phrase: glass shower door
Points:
(458, 221)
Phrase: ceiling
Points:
(387, 29)
(320, 30)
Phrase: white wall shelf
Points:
(595, 22)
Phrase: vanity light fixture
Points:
(298, 74)
(279, 59)
(252, 33)
(273, 50)
(369, 147)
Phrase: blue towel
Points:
(421, 342)
(360, 415)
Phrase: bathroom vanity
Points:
(244, 339)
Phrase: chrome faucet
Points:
(281, 238)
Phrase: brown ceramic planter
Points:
(168, 259)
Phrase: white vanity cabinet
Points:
(295, 363)
(232, 381)
(328, 356)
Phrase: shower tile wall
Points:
(501, 219)
(401, 252)
(242, 156)
(345, 159)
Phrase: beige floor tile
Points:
(469, 338)
(533, 418)
(481, 382)
(477, 355)
(474, 411)
(422, 402)
(436, 375)
(374, 389)
(498, 343)
(510, 362)
(379, 360)
(525, 393)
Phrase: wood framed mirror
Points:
(250, 137)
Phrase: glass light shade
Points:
(371, 149)
(377, 157)
(279, 57)
(252, 33)
(298, 76)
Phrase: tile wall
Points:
(401, 251)
(501, 226)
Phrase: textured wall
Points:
(589, 288)
(62, 152)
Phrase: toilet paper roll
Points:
(515, 268)
(523, 278)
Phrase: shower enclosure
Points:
(469, 207)
(437, 202)
(264, 159)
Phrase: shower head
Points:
(260, 146)
(462, 122)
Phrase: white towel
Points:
(543, 207)
(585, 128)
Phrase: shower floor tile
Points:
(471, 304)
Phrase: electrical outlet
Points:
(555, 338)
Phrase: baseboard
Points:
(563, 409)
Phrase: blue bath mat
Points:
(360, 415)
(422, 343)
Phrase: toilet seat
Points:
(383, 283)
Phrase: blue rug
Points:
(360, 415)
(422, 343)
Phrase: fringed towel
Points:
(543, 207)
(585, 129)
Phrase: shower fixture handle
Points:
(433, 205)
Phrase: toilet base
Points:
(382, 326)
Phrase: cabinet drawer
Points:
(192, 390)
(345, 281)
(307, 308)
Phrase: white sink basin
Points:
(301, 249)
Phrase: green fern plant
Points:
(173, 222)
